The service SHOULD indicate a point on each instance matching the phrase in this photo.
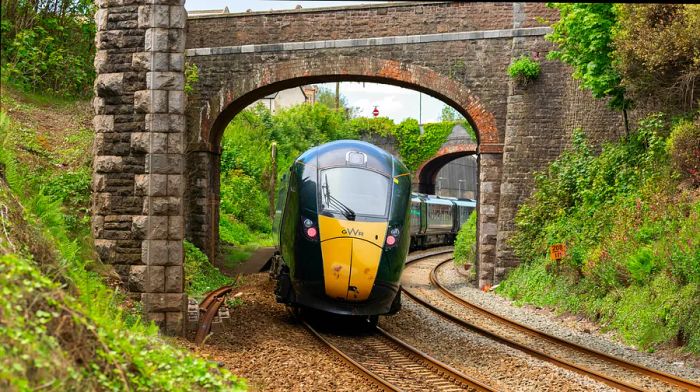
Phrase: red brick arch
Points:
(241, 92)
(426, 173)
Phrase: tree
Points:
(584, 35)
(657, 47)
(449, 114)
(327, 98)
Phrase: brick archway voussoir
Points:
(235, 95)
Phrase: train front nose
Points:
(351, 253)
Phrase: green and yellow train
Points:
(342, 225)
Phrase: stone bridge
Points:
(157, 150)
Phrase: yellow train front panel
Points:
(351, 253)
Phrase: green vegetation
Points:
(524, 70)
(201, 276)
(66, 324)
(246, 161)
(584, 36)
(632, 232)
(465, 243)
(647, 54)
(657, 51)
(48, 46)
(191, 77)
(684, 149)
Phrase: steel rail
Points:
(209, 307)
(438, 365)
(387, 386)
(209, 298)
(531, 351)
(444, 370)
(653, 373)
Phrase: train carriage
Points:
(343, 230)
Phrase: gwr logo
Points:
(355, 232)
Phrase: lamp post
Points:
(439, 185)
(459, 185)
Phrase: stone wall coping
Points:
(374, 41)
(321, 9)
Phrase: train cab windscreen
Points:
(352, 191)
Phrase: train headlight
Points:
(390, 240)
(308, 223)
(395, 232)
(311, 232)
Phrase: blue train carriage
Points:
(342, 230)
(463, 209)
(436, 220)
(418, 222)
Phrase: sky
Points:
(394, 102)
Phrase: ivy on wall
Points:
(416, 148)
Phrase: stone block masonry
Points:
(138, 171)
(157, 152)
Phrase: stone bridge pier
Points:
(157, 151)
(138, 179)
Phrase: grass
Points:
(200, 275)
(632, 231)
(67, 325)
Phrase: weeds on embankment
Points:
(631, 226)
(65, 323)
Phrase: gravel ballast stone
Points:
(265, 345)
(572, 328)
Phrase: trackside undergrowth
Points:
(631, 226)
(65, 323)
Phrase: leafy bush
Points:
(465, 243)
(641, 265)
(233, 232)
(191, 77)
(657, 50)
(524, 69)
(49, 46)
(414, 147)
(632, 237)
(584, 38)
(684, 149)
(200, 275)
(243, 198)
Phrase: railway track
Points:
(208, 308)
(621, 374)
(396, 366)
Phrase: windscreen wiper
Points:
(335, 203)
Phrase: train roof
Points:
(353, 153)
(437, 200)
(465, 202)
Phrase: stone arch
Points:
(207, 121)
(235, 95)
(424, 179)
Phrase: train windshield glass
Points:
(350, 191)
